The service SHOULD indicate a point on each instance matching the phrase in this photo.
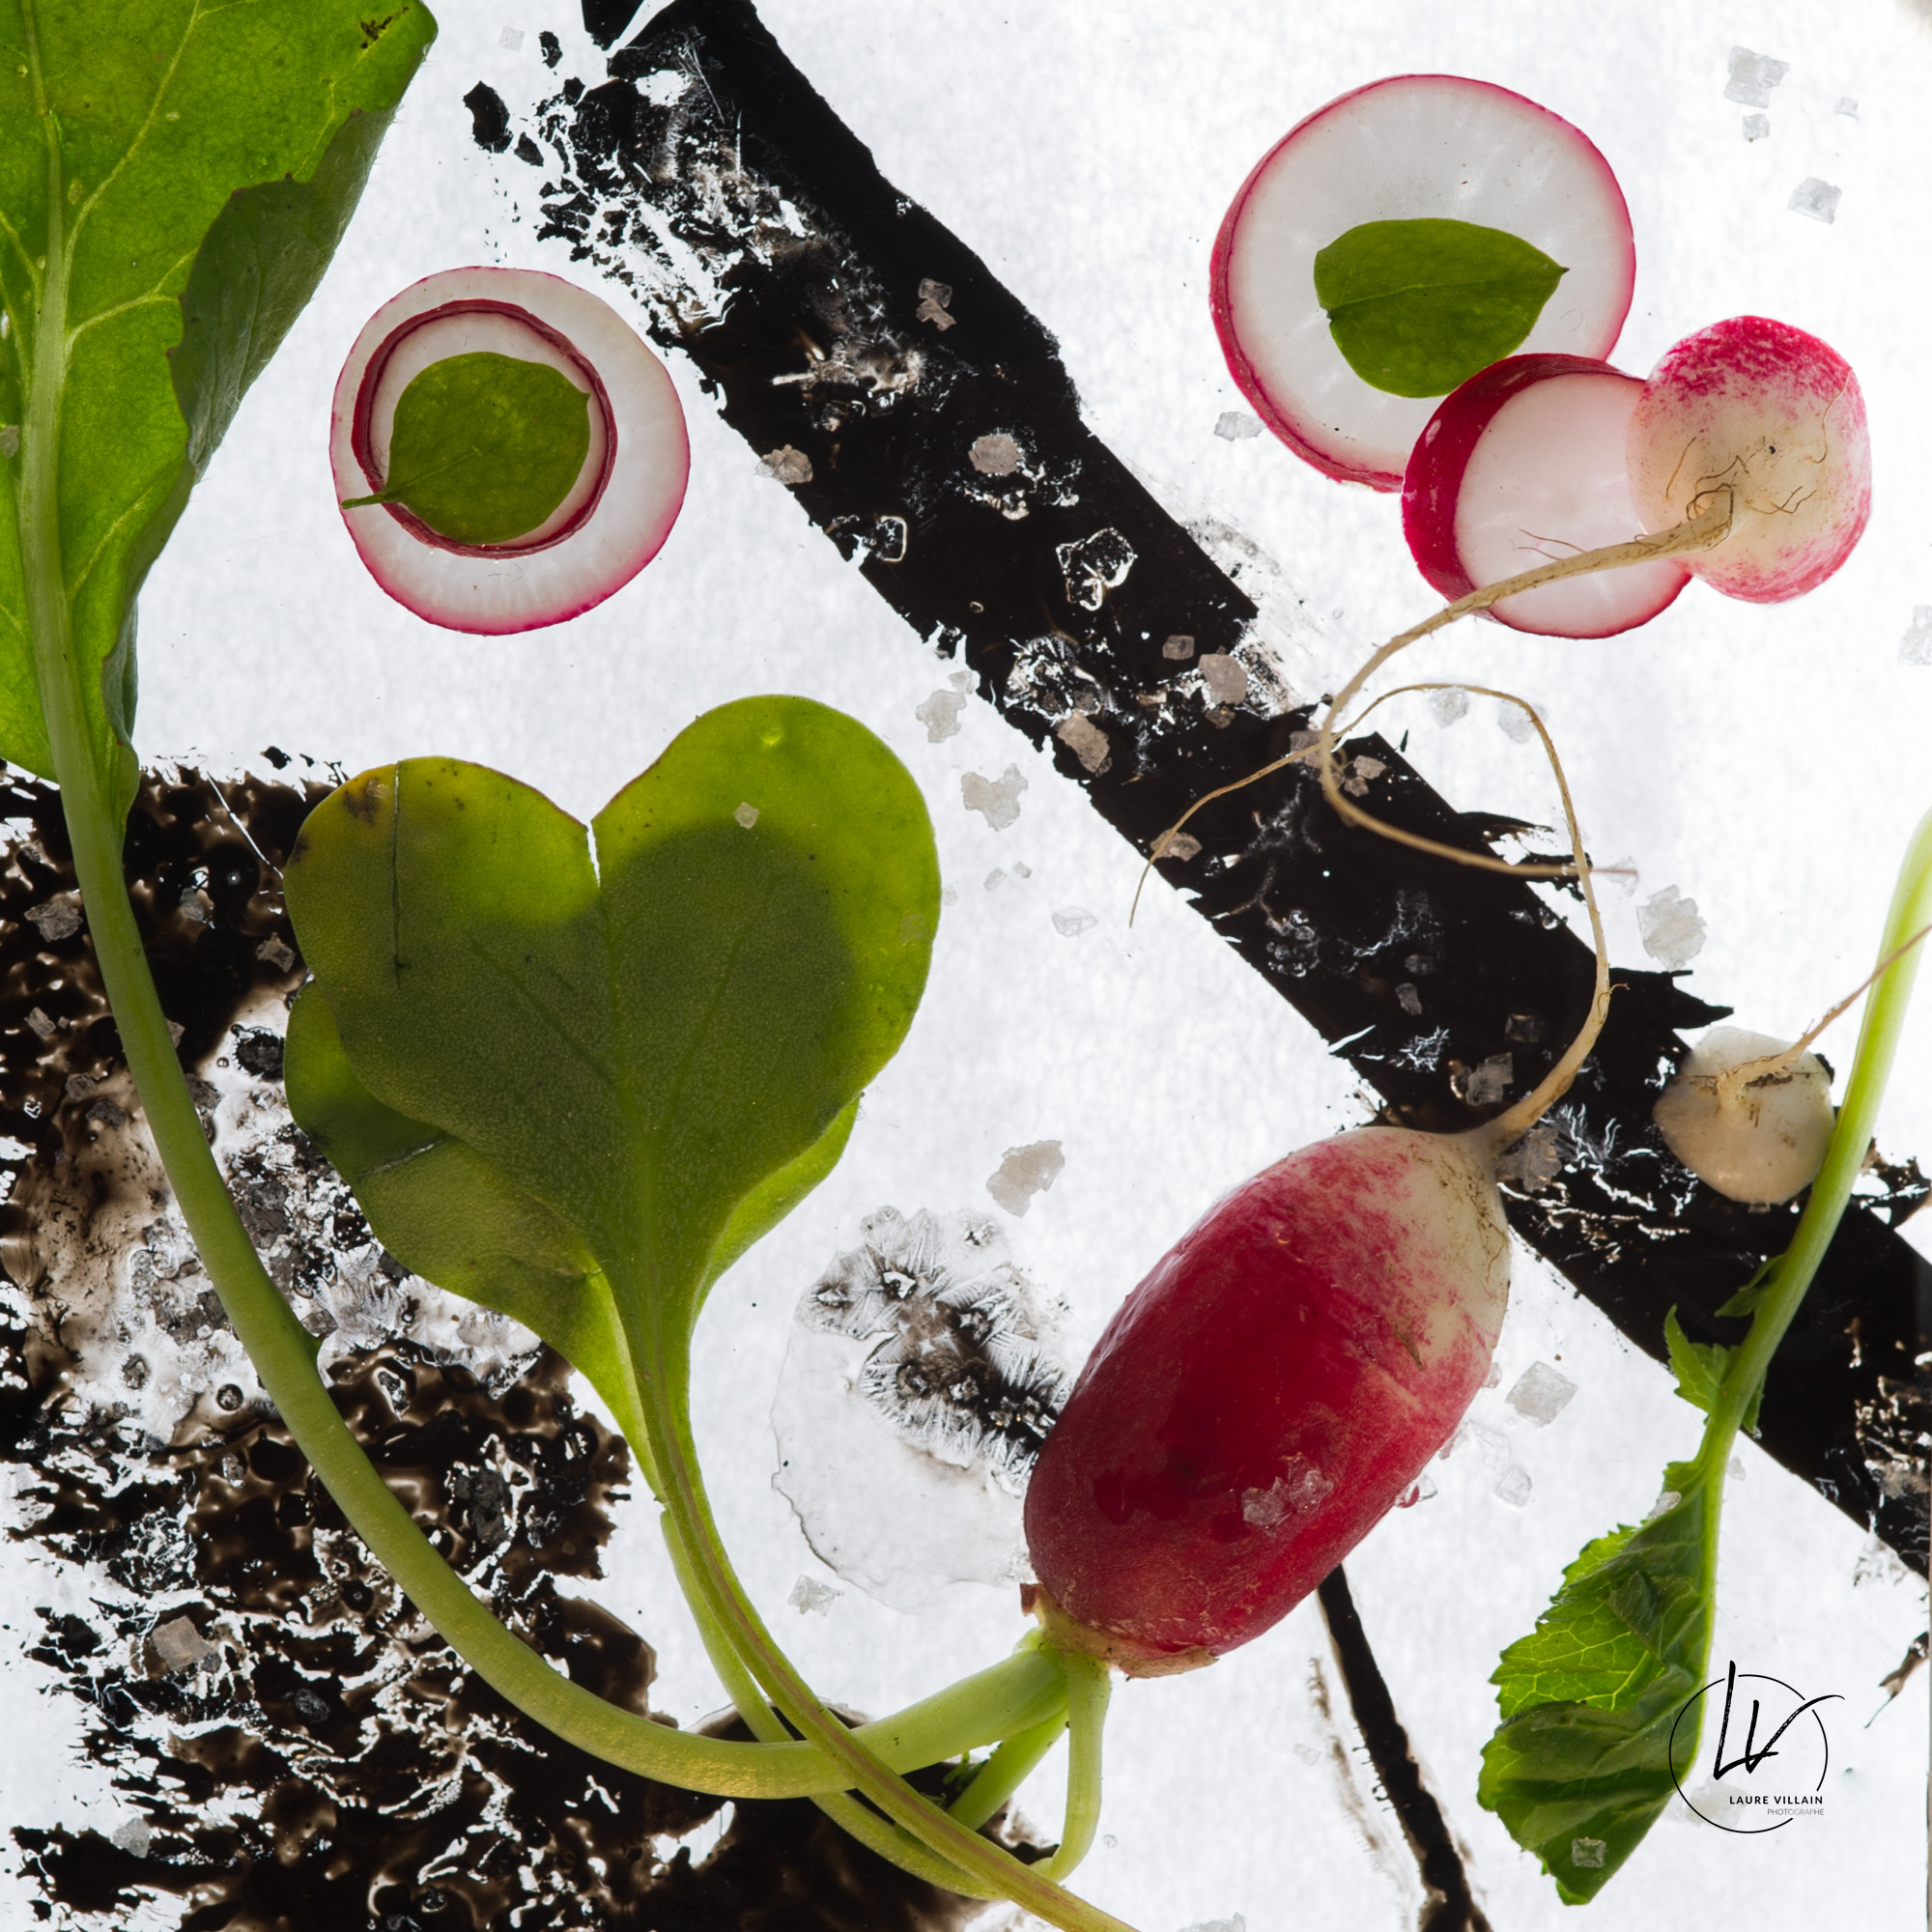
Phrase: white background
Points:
(1770, 763)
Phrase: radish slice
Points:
(1419, 147)
(1525, 464)
(614, 517)
(1776, 414)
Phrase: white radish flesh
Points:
(616, 517)
(1525, 464)
(1413, 148)
(1757, 1139)
(1775, 417)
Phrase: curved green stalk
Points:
(1088, 1688)
(1005, 1772)
(718, 1597)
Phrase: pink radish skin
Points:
(1269, 1392)
(1526, 463)
(1777, 415)
(613, 520)
(1413, 147)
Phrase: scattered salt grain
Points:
(179, 1644)
(1407, 998)
(1847, 106)
(933, 298)
(1494, 1378)
(810, 1598)
(1490, 1445)
(1021, 869)
(1418, 1491)
(1735, 1469)
(1490, 1081)
(511, 40)
(1090, 567)
(1515, 720)
(1757, 127)
(996, 455)
(995, 878)
(1915, 646)
(278, 956)
(1818, 199)
(1223, 678)
(788, 466)
(1085, 740)
(940, 715)
(1534, 1162)
(1586, 1854)
(1178, 648)
(1360, 774)
(80, 1085)
(1235, 1924)
(1449, 704)
(747, 815)
(1023, 1172)
(134, 1837)
(1070, 921)
(1307, 1754)
(996, 800)
(1237, 425)
(195, 904)
(1181, 845)
(40, 1023)
(10, 440)
(1622, 873)
(1669, 1499)
(1673, 930)
(57, 919)
(1752, 77)
(1540, 1394)
(1513, 1486)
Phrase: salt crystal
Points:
(179, 1644)
(1491, 1081)
(1407, 998)
(1237, 425)
(996, 800)
(1534, 1162)
(1490, 1445)
(134, 1835)
(1847, 106)
(1360, 774)
(175, 1032)
(1307, 1754)
(1178, 648)
(1418, 1491)
(994, 878)
(40, 1023)
(747, 815)
(80, 1085)
(1735, 1469)
(1672, 930)
(1667, 1500)
(1235, 1924)
(996, 455)
(1540, 1394)
(1915, 646)
(57, 919)
(1622, 873)
(961, 680)
(1021, 869)
(810, 1598)
(940, 714)
(1494, 1378)
(933, 298)
(511, 40)
(1023, 1172)
(1090, 567)
(788, 466)
(1070, 921)
(1515, 720)
(1818, 199)
(10, 440)
(1587, 1854)
(1085, 740)
(195, 904)
(278, 956)
(1752, 77)
(1450, 703)
(1513, 1486)
(1181, 845)
(1224, 679)
(1757, 127)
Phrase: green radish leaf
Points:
(174, 179)
(662, 1046)
(1417, 308)
(485, 446)
(1761, 1285)
(1580, 1769)
(1700, 1368)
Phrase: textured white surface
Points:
(1768, 762)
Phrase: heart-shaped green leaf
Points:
(1417, 308)
(654, 1029)
(484, 446)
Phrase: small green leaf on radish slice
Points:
(485, 446)
(1699, 1368)
(1418, 308)
(1580, 1767)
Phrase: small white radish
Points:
(1416, 148)
(1525, 464)
(1776, 417)
(1747, 1118)
(611, 522)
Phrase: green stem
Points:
(1845, 1156)
(1088, 1688)
(281, 1349)
(1005, 1772)
(717, 1595)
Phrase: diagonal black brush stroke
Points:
(841, 324)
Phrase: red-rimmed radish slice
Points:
(1524, 465)
(612, 520)
(1419, 147)
(1778, 417)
